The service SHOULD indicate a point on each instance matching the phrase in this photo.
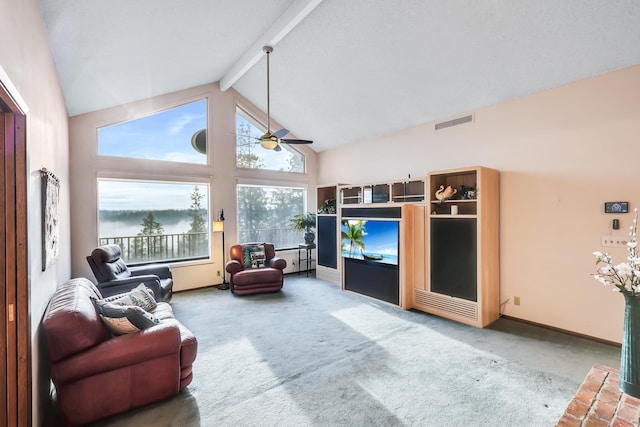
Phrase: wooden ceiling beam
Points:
(299, 10)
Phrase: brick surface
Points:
(577, 409)
(603, 410)
(628, 412)
(622, 423)
(599, 402)
(591, 421)
(568, 421)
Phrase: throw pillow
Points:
(123, 319)
(140, 296)
(254, 256)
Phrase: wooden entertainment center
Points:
(448, 247)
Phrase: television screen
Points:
(370, 240)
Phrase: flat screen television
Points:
(373, 240)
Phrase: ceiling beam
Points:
(276, 32)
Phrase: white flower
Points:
(624, 276)
(624, 269)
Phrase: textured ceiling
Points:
(350, 70)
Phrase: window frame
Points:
(144, 113)
(271, 184)
(179, 180)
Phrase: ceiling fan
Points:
(272, 140)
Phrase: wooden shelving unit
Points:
(461, 280)
(408, 191)
(327, 235)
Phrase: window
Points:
(177, 135)
(250, 154)
(264, 213)
(154, 221)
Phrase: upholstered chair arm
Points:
(120, 286)
(120, 351)
(278, 263)
(234, 266)
(163, 271)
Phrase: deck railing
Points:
(159, 247)
(280, 237)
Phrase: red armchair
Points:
(97, 374)
(245, 280)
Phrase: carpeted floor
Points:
(313, 355)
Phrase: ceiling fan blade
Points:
(278, 148)
(279, 134)
(296, 141)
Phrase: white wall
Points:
(562, 153)
(221, 172)
(26, 58)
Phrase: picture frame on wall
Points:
(50, 217)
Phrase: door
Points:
(15, 363)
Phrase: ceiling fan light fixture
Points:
(269, 143)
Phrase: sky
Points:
(135, 195)
(161, 136)
(167, 136)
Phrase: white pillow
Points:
(138, 296)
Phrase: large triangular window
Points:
(250, 154)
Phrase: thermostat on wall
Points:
(616, 207)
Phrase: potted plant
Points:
(304, 222)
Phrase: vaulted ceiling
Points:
(341, 71)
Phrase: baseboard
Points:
(565, 331)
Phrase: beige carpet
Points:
(313, 355)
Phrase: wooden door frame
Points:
(15, 355)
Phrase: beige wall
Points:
(26, 59)
(221, 173)
(562, 153)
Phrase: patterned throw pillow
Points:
(140, 296)
(124, 319)
(254, 256)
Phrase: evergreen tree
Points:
(198, 223)
(150, 226)
(246, 146)
(150, 243)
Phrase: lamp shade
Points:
(269, 143)
(218, 226)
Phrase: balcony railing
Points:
(159, 247)
(282, 238)
(162, 247)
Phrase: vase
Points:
(309, 238)
(630, 356)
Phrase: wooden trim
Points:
(23, 318)
(9, 268)
(3, 296)
(564, 331)
(15, 319)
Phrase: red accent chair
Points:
(246, 281)
(97, 374)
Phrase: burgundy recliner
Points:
(97, 374)
(246, 281)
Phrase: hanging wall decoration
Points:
(50, 217)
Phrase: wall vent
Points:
(454, 122)
(456, 306)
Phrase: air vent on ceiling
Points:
(454, 122)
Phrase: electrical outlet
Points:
(614, 241)
(516, 300)
(218, 273)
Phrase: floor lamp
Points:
(218, 226)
